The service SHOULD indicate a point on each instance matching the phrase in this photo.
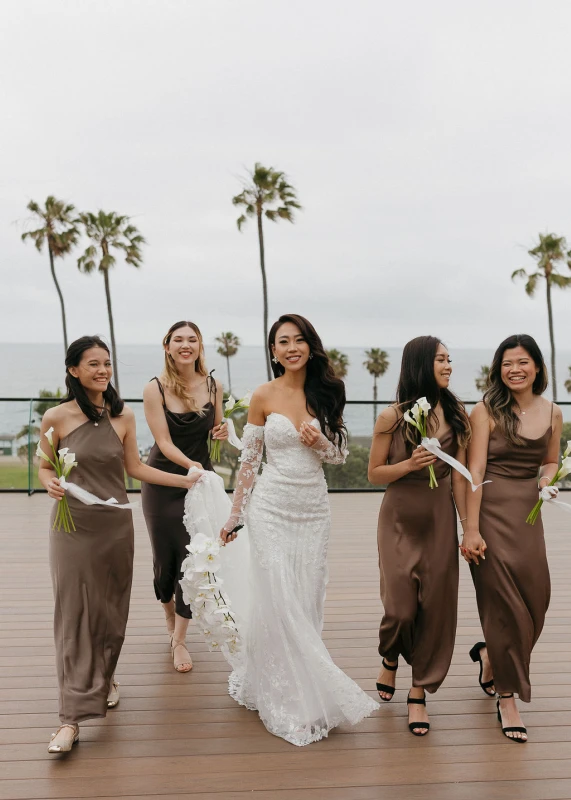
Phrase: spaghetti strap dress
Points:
(92, 571)
(418, 559)
(163, 506)
(513, 586)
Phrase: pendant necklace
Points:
(96, 424)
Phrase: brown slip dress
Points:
(512, 585)
(163, 506)
(92, 570)
(418, 559)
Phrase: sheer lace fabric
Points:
(285, 671)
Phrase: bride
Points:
(285, 671)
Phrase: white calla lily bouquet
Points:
(230, 407)
(562, 472)
(63, 462)
(418, 417)
(202, 591)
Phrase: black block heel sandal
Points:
(515, 729)
(425, 726)
(476, 657)
(382, 687)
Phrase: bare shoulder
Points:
(479, 414)
(128, 415)
(54, 416)
(557, 413)
(151, 391)
(387, 419)
(219, 388)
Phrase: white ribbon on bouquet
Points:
(90, 499)
(548, 496)
(433, 446)
(233, 438)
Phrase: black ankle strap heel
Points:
(414, 726)
(476, 657)
(514, 729)
(382, 687)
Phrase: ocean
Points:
(28, 368)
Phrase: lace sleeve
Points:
(251, 458)
(329, 452)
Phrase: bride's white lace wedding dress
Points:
(284, 670)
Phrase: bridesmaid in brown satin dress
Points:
(417, 539)
(515, 445)
(92, 566)
(182, 408)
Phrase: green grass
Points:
(14, 476)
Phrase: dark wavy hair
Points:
(75, 389)
(324, 391)
(498, 399)
(417, 380)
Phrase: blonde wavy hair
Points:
(171, 377)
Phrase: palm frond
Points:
(560, 280)
(531, 285)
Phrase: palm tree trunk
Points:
(229, 379)
(551, 339)
(63, 320)
(111, 329)
(374, 400)
(265, 291)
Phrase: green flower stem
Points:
(534, 513)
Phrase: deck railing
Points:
(19, 434)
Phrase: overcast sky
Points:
(429, 144)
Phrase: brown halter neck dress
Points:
(92, 571)
(418, 559)
(512, 585)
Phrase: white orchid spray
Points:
(63, 462)
(418, 417)
(202, 591)
(562, 472)
(231, 407)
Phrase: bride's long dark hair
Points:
(417, 380)
(75, 389)
(324, 391)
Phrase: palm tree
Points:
(481, 380)
(266, 193)
(339, 362)
(377, 364)
(229, 344)
(548, 253)
(107, 231)
(59, 230)
(568, 382)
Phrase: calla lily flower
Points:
(63, 452)
(424, 405)
(567, 449)
(40, 453)
(230, 403)
(565, 468)
(48, 435)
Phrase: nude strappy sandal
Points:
(63, 739)
(180, 662)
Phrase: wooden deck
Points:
(181, 735)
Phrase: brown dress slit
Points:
(92, 571)
(163, 506)
(418, 559)
(512, 585)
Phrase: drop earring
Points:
(311, 355)
(275, 360)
